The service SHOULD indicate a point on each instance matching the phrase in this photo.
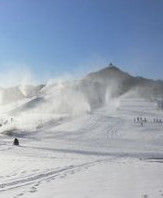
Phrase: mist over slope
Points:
(71, 98)
(13, 94)
(108, 120)
(119, 83)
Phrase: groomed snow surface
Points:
(101, 154)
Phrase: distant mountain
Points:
(117, 82)
(96, 88)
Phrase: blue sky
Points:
(55, 37)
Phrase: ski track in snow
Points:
(74, 145)
(44, 176)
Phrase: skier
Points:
(145, 120)
(16, 142)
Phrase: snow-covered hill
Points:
(83, 139)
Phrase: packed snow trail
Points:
(94, 155)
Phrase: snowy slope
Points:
(80, 139)
(93, 155)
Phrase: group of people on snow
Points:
(140, 120)
(144, 120)
(156, 120)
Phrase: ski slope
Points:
(98, 154)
